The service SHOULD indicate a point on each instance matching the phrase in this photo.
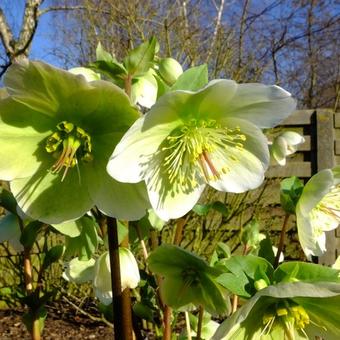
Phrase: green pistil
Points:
(69, 143)
(187, 152)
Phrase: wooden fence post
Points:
(325, 139)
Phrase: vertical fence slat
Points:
(326, 159)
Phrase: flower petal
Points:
(44, 197)
(264, 106)
(171, 201)
(244, 167)
(141, 141)
(42, 87)
(22, 131)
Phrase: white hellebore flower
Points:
(102, 274)
(285, 144)
(318, 210)
(190, 139)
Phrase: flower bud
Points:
(129, 274)
(284, 145)
(169, 69)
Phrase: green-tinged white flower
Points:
(187, 279)
(144, 89)
(89, 74)
(285, 144)
(129, 274)
(318, 210)
(190, 139)
(169, 69)
(293, 311)
(98, 271)
(56, 133)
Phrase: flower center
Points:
(68, 144)
(286, 314)
(326, 214)
(188, 151)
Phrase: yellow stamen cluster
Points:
(287, 315)
(326, 214)
(68, 144)
(187, 152)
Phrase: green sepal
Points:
(140, 59)
(307, 272)
(192, 79)
(290, 192)
(30, 233)
(85, 244)
(8, 201)
(53, 255)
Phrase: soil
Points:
(57, 326)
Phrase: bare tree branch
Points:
(6, 34)
(60, 8)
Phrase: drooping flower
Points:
(318, 210)
(190, 139)
(98, 271)
(285, 144)
(294, 310)
(169, 69)
(56, 133)
(187, 279)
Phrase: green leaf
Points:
(30, 233)
(140, 59)
(70, 228)
(302, 271)
(29, 317)
(112, 69)
(85, 244)
(143, 311)
(101, 54)
(250, 236)
(123, 231)
(192, 79)
(221, 208)
(201, 209)
(53, 255)
(8, 201)
(244, 272)
(266, 250)
(290, 192)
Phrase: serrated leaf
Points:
(112, 69)
(266, 250)
(140, 59)
(192, 79)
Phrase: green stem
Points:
(282, 240)
(127, 85)
(187, 323)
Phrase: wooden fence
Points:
(321, 150)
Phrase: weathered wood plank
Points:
(325, 139)
(337, 119)
(300, 169)
(337, 146)
(299, 117)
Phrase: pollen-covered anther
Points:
(68, 144)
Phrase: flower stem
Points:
(122, 319)
(200, 322)
(127, 85)
(35, 330)
(282, 240)
(235, 303)
(167, 322)
(187, 323)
